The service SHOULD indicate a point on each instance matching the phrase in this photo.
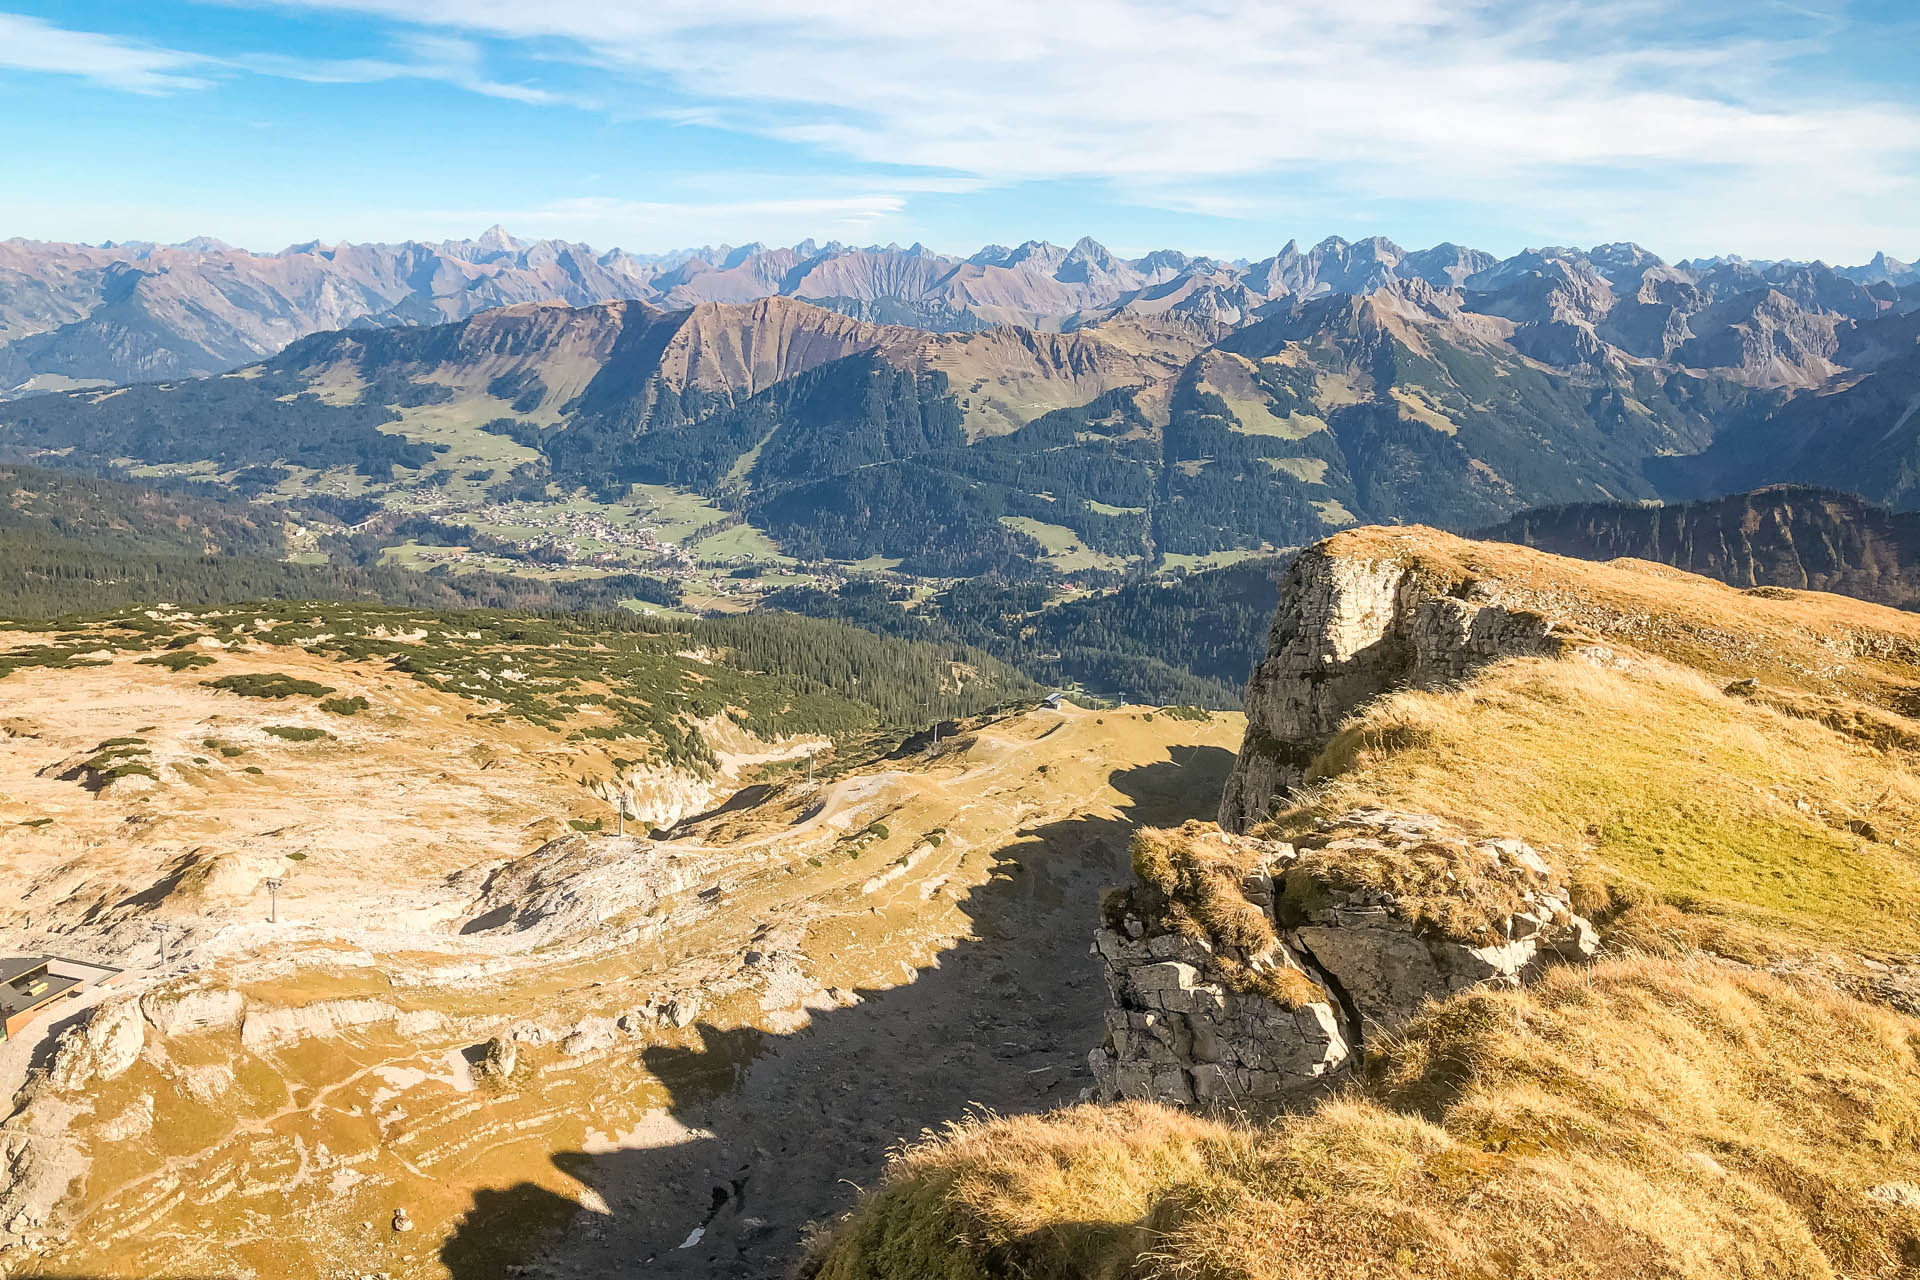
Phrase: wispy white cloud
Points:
(448, 59)
(29, 44)
(1475, 100)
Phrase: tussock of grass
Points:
(1193, 880)
(1658, 790)
(1637, 1119)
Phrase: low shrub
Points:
(296, 733)
(269, 684)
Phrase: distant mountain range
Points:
(1118, 446)
(1036, 412)
(79, 314)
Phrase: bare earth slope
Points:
(553, 1050)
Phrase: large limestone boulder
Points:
(100, 1048)
(1249, 970)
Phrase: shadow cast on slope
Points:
(784, 1129)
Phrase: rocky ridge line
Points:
(1349, 629)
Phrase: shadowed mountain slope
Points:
(1781, 536)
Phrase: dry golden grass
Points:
(1637, 1119)
(1193, 879)
(1744, 785)
(1440, 885)
(1810, 638)
(1658, 791)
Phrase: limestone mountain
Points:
(1782, 536)
(138, 312)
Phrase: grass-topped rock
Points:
(1248, 969)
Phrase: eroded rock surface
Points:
(1353, 927)
(1176, 1034)
(1348, 629)
(1396, 908)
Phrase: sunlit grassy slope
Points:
(1639, 1119)
(1728, 780)
(1656, 781)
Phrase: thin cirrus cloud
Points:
(29, 44)
(113, 62)
(1699, 124)
(1567, 101)
(451, 60)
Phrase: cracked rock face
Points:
(100, 1048)
(1349, 629)
(1176, 1035)
(1377, 946)
(1354, 913)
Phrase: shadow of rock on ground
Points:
(788, 1127)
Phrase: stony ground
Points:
(643, 1057)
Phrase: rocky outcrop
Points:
(100, 1048)
(1396, 908)
(175, 1014)
(268, 1029)
(1177, 1035)
(37, 1165)
(1210, 1003)
(571, 886)
(1349, 628)
(1249, 971)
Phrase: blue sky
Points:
(1692, 126)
